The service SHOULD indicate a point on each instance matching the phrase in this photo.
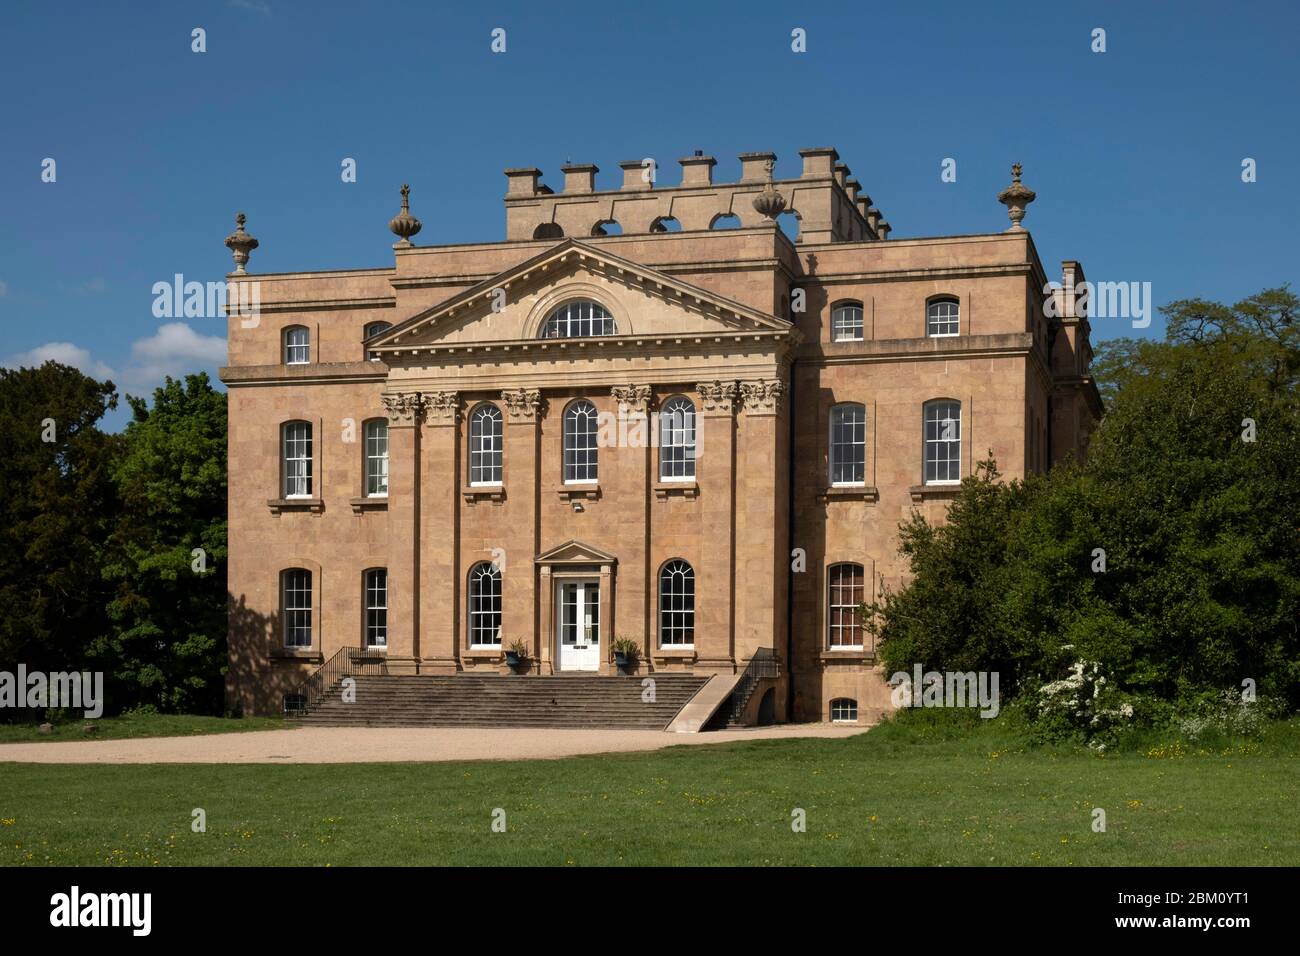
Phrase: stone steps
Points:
(470, 700)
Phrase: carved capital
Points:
(718, 397)
(635, 398)
(763, 397)
(442, 408)
(522, 404)
(404, 408)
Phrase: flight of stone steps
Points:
(471, 700)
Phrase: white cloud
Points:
(175, 350)
(63, 352)
(4, 288)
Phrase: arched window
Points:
(548, 230)
(296, 444)
(844, 597)
(942, 438)
(371, 330)
(942, 318)
(677, 440)
(725, 220)
(485, 445)
(376, 604)
(846, 322)
(676, 604)
(666, 224)
(485, 605)
(297, 345)
(844, 710)
(848, 444)
(607, 227)
(376, 443)
(295, 600)
(579, 320)
(580, 455)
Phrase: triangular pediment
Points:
(575, 552)
(512, 307)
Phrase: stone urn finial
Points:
(769, 202)
(240, 244)
(404, 225)
(1016, 197)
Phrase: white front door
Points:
(579, 625)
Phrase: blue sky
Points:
(1135, 153)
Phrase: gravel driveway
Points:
(388, 744)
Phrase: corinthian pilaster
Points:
(522, 404)
(442, 408)
(762, 397)
(633, 398)
(718, 397)
(404, 408)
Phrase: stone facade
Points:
(738, 321)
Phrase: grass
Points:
(135, 725)
(916, 791)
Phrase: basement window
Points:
(844, 710)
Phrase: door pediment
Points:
(574, 552)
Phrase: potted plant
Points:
(626, 652)
(517, 653)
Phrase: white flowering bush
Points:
(1082, 705)
(1227, 714)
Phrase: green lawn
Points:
(136, 725)
(910, 792)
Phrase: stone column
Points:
(715, 602)
(442, 574)
(405, 411)
(522, 437)
(636, 405)
(606, 619)
(762, 535)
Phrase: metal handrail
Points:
(346, 662)
(762, 665)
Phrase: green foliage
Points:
(167, 639)
(56, 505)
(1201, 588)
(97, 535)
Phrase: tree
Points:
(166, 643)
(56, 502)
(1189, 497)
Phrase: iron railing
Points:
(346, 662)
(762, 666)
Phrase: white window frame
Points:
(847, 322)
(486, 448)
(302, 453)
(836, 443)
(376, 460)
(677, 605)
(933, 441)
(373, 329)
(933, 319)
(677, 435)
(586, 472)
(292, 347)
(477, 613)
(835, 626)
(375, 601)
(290, 608)
(579, 319)
(848, 704)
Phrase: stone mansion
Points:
(646, 416)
